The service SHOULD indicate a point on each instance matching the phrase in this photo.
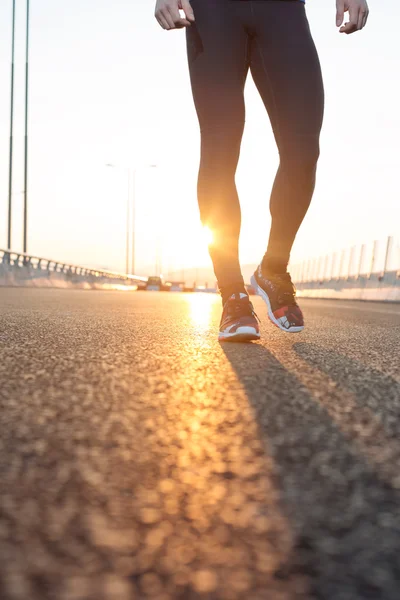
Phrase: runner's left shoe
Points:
(279, 294)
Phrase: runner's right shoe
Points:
(239, 322)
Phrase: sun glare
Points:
(208, 235)
(201, 306)
(187, 248)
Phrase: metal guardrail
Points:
(367, 261)
(17, 268)
(352, 271)
(370, 272)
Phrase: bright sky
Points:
(108, 85)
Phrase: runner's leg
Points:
(217, 45)
(286, 71)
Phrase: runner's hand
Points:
(358, 15)
(167, 14)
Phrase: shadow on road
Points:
(344, 515)
(371, 388)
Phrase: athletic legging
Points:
(273, 39)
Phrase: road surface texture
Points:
(141, 459)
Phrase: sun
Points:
(208, 235)
(187, 248)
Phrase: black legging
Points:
(273, 38)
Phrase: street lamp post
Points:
(128, 198)
(131, 172)
(11, 131)
(127, 223)
(133, 259)
(134, 172)
(26, 132)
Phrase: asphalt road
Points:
(140, 458)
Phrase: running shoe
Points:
(239, 322)
(279, 294)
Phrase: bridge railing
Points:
(370, 271)
(17, 268)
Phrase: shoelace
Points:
(287, 295)
(241, 308)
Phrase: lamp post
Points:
(127, 217)
(134, 172)
(11, 131)
(131, 173)
(26, 132)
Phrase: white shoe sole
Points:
(271, 316)
(242, 334)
